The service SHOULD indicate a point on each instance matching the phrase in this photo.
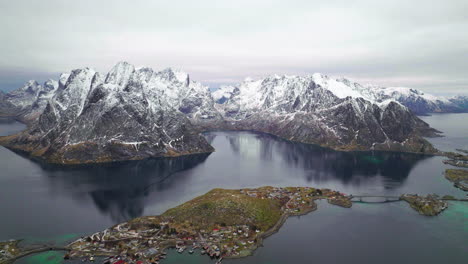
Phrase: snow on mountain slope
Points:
(30, 100)
(416, 100)
(26, 95)
(222, 94)
(128, 114)
(134, 113)
(460, 101)
(317, 109)
(46, 93)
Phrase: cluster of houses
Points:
(298, 199)
(228, 241)
(122, 245)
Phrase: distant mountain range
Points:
(135, 113)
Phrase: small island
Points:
(459, 177)
(431, 205)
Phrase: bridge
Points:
(391, 199)
(387, 198)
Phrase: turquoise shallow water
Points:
(48, 203)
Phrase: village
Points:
(144, 241)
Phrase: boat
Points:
(203, 252)
(190, 251)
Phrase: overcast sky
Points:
(420, 44)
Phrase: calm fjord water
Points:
(42, 202)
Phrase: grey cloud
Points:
(422, 44)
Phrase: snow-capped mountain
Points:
(460, 101)
(416, 100)
(223, 94)
(26, 95)
(127, 114)
(28, 102)
(134, 113)
(317, 109)
(191, 98)
(46, 92)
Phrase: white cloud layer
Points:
(421, 44)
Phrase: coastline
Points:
(355, 148)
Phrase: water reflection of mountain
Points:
(121, 190)
(323, 164)
(126, 190)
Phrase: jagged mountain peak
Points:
(416, 100)
(50, 85)
(319, 109)
(163, 110)
(31, 86)
(120, 74)
(31, 83)
(63, 79)
(128, 114)
(175, 74)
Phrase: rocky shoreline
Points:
(117, 153)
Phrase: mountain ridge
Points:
(313, 110)
(95, 119)
(419, 102)
(136, 113)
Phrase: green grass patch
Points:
(456, 175)
(226, 207)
